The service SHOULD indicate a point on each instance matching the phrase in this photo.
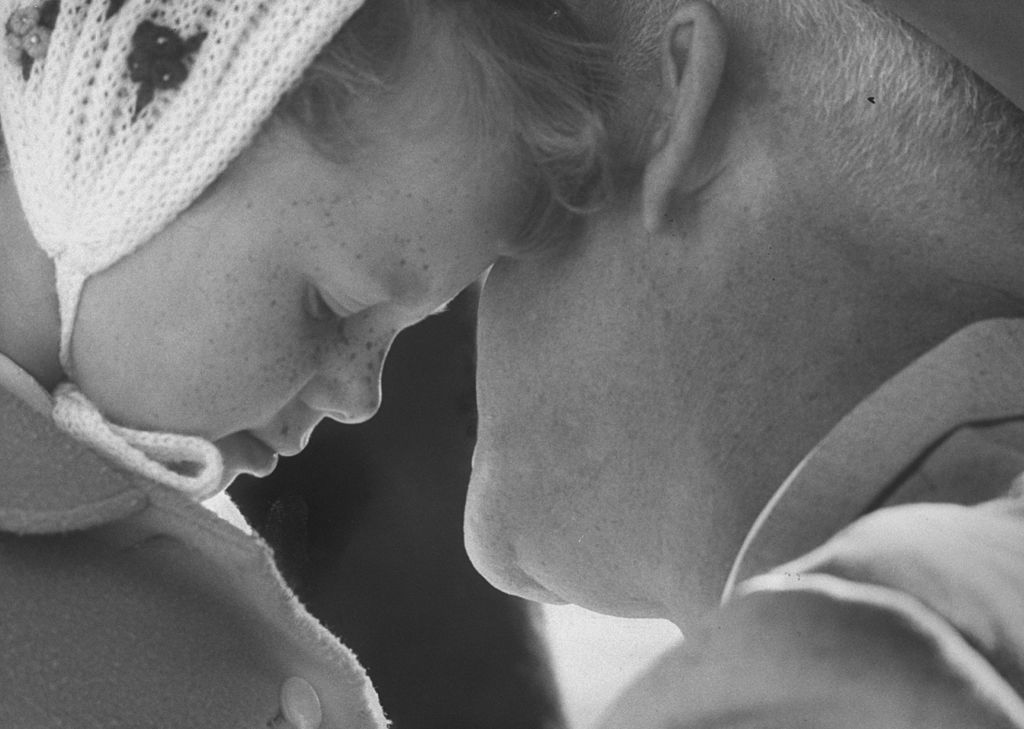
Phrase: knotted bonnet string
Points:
(117, 114)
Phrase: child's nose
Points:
(350, 401)
(348, 386)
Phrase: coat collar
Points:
(975, 377)
(49, 482)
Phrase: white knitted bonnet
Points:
(117, 114)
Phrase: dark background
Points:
(366, 525)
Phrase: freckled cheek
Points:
(354, 352)
(376, 352)
(250, 366)
(351, 368)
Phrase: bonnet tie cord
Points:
(147, 453)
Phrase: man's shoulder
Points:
(963, 563)
(908, 618)
(820, 651)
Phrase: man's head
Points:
(810, 195)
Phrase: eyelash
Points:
(318, 309)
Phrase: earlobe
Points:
(693, 62)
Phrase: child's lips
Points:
(287, 447)
(244, 452)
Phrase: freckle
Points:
(402, 262)
(286, 429)
(295, 203)
(352, 357)
(369, 365)
(359, 256)
(426, 267)
(369, 346)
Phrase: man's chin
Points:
(536, 592)
(516, 538)
(515, 581)
(505, 575)
(521, 577)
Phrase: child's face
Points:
(272, 302)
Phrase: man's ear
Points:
(693, 62)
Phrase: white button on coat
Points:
(300, 704)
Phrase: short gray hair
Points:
(929, 110)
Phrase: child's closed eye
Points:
(321, 307)
(317, 307)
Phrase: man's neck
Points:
(870, 459)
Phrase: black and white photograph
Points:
(512, 364)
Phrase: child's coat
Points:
(127, 605)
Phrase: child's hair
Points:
(533, 81)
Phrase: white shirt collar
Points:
(975, 376)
